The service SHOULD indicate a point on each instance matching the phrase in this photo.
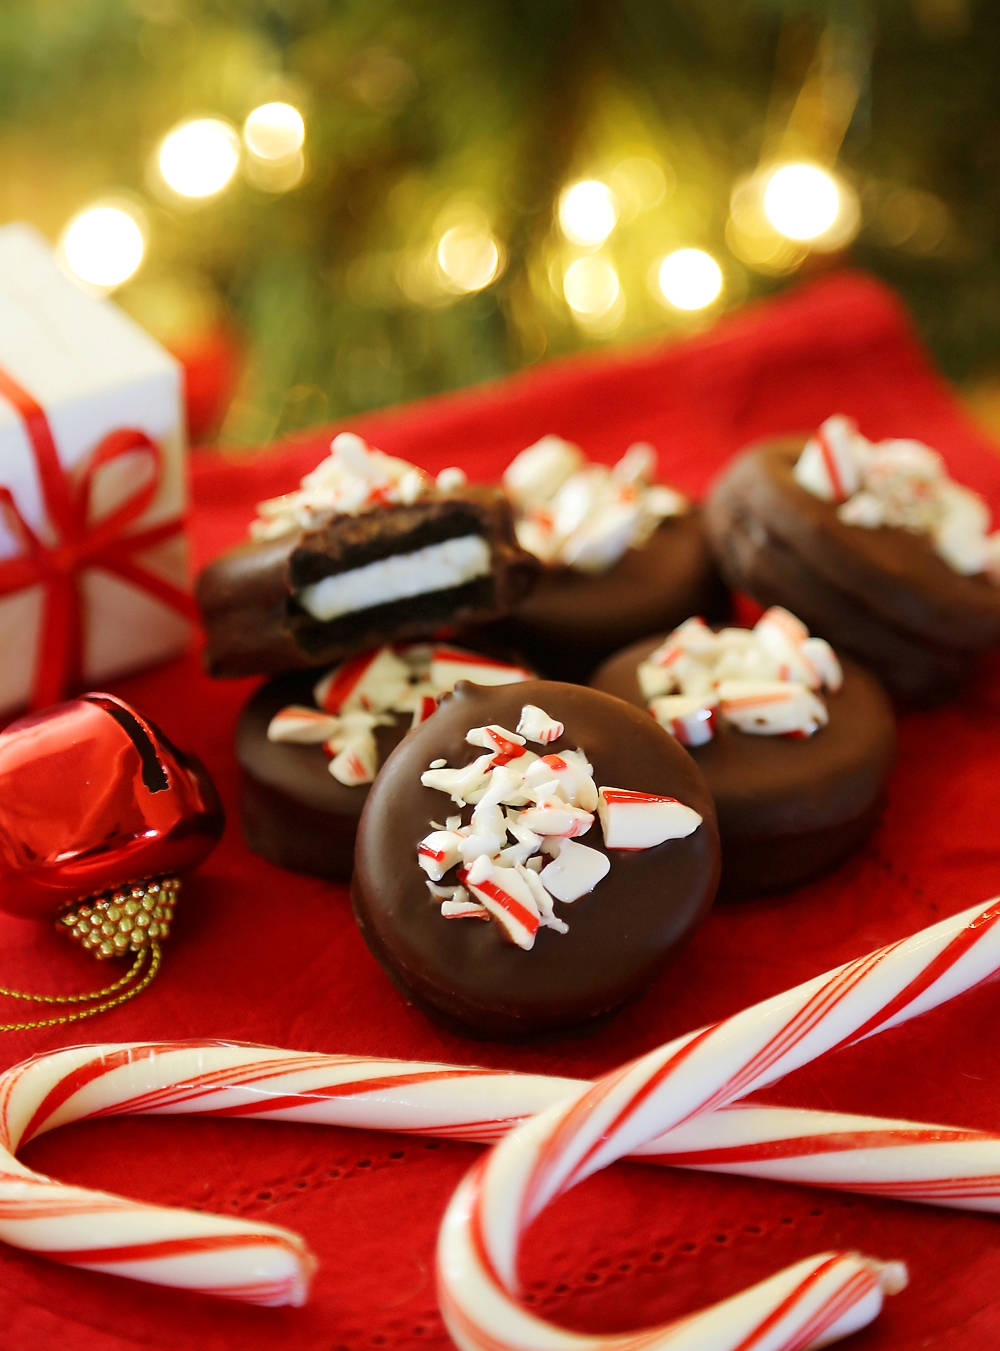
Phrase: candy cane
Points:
(263, 1264)
(816, 1301)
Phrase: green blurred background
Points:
(315, 286)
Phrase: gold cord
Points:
(154, 965)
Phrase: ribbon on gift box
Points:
(79, 543)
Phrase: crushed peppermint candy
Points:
(520, 852)
(899, 483)
(351, 479)
(765, 681)
(586, 516)
(374, 688)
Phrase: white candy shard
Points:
(829, 465)
(507, 896)
(772, 708)
(569, 773)
(301, 725)
(633, 820)
(575, 871)
(822, 658)
(463, 909)
(459, 783)
(450, 479)
(536, 725)
(537, 474)
(688, 717)
(438, 852)
(552, 816)
(450, 665)
(357, 762)
(542, 899)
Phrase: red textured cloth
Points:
(262, 955)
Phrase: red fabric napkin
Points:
(262, 955)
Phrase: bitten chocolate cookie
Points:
(367, 551)
(309, 746)
(531, 857)
(623, 557)
(893, 567)
(797, 773)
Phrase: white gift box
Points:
(93, 371)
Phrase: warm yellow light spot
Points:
(197, 159)
(588, 212)
(591, 287)
(690, 279)
(274, 131)
(103, 246)
(469, 258)
(801, 201)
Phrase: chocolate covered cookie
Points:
(872, 545)
(367, 551)
(622, 556)
(795, 744)
(309, 746)
(531, 857)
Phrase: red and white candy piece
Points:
(438, 852)
(809, 661)
(423, 708)
(572, 775)
(688, 717)
(449, 666)
(456, 903)
(771, 707)
(301, 725)
(829, 464)
(356, 762)
(505, 893)
(371, 681)
(574, 872)
(536, 725)
(632, 820)
(552, 816)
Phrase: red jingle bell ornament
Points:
(100, 814)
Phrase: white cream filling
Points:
(438, 567)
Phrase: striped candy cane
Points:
(812, 1303)
(263, 1264)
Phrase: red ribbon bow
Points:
(79, 543)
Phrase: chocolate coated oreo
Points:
(883, 595)
(250, 597)
(464, 971)
(293, 811)
(572, 620)
(789, 808)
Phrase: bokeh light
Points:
(801, 201)
(588, 212)
(469, 259)
(275, 131)
(591, 287)
(198, 158)
(103, 246)
(690, 279)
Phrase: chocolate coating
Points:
(572, 620)
(621, 935)
(247, 598)
(292, 810)
(882, 595)
(789, 808)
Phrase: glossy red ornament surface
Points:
(92, 796)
